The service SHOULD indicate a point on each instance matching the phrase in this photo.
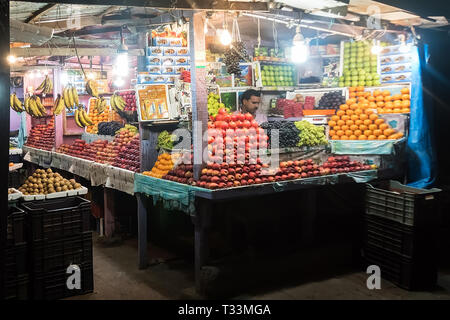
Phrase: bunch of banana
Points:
(34, 107)
(46, 86)
(100, 105)
(91, 88)
(59, 105)
(117, 103)
(70, 97)
(81, 118)
(15, 103)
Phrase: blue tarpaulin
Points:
(420, 152)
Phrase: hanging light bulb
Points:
(12, 59)
(224, 36)
(299, 50)
(376, 48)
(119, 82)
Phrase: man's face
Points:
(252, 104)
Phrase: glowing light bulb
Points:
(12, 59)
(224, 36)
(119, 82)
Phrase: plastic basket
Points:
(54, 255)
(405, 273)
(400, 239)
(407, 205)
(17, 289)
(16, 261)
(58, 218)
(16, 226)
(53, 285)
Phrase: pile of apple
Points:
(112, 150)
(342, 164)
(130, 100)
(129, 157)
(76, 149)
(42, 136)
(183, 173)
(93, 150)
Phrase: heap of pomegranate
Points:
(129, 157)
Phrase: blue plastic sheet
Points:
(372, 147)
(420, 152)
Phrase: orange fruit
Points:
(373, 117)
(344, 107)
(335, 137)
(381, 137)
(340, 113)
(334, 118)
(349, 112)
(397, 110)
(373, 127)
(357, 133)
(340, 133)
(367, 122)
(380, 110)
(388, 132)
(359, 122)
(406, 103)
(392, 137)
(340, 122)
(386, 93)
(377, 132)
(363, 127)
(387, 98)
(354, 127)
(399, 135)
(363, 116)
(367, 133)
(351, 101)
(352, 89)
(371, 137)
(376, 93)
(352, 137)
(362, 137)
(360, 88)
(358, 112)
(405, 110)
(354, 106)
(383, 126)
(354, 117)
(405, 96)
(371, 98)
(352, 95)
(397, 97)
(388, 110)
(348, 133)
(389, 105)
(349, 122)
(331, 123)
(360, 94)
(397, 104)
(368, 111)
(373, 105)
(365, 105)
(344, 137)
(379, 99)
(345, 118)
(336, 128)
(345, 127)
(404, 90)
(332, 133)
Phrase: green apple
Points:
(355, 78)
(354, 72)
(348, 84)
(354, 84)
(375, 76)
(374, 70)
(368, 77)
(369, 83)
(376, 82)
(341, 84)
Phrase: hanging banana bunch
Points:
(46, 86)
(117, 103)
(70, 97)
(100, 105)
(15, 103)
(59, 105)
(34, 106)
(91, 88)
(81, 118)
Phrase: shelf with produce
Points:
(234, 89)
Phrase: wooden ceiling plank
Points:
(38, 13)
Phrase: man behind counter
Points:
(250, 101)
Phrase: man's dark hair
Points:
(250, 93)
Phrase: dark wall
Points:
(438, 88)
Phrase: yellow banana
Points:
(120, 103)
(18, 104)
(58, 106)
(42, 85)
(35, 112)
(27, 104)
(71, 100)
(66, 99)
(77, 118)
(41, 107)
(11, 100)
(75, 96)
(86, 117)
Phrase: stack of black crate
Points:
(60, 247)
(400, 228)
(16, 275)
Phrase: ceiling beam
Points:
(38, 13)
(109, 10)
(180, 4)
(42, 52)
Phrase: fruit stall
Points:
(173, 128)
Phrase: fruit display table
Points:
(198, 203)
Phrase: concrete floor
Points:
(117, 277)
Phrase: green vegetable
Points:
(166, 140)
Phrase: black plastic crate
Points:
(17, 289)
(53, 285)
(16, 258)
(397, 238)
(57, 254)
(15, 179)
(395, 201)
(58, 218)
(16, 226)
(408, 274)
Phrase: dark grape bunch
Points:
(331, 100)
(233, 56)
(288, 134)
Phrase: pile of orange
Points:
(96, 117)
(383, 101)
(356, 120)
(163, 165)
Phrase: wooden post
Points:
(142, 231)
(108, 197)
(4, 132)
(198, 87)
